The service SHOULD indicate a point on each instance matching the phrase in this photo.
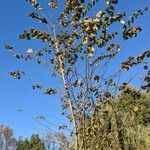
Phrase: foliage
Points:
(35, 143)
(83, 37)
(138, 102)
(118, 124)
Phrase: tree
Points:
(134, 115)
(56, 141)
(7, 140)
(89, 39)
(35, 143)
(120, 123)
(136, 102)
(23, 144)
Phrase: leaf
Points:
(50, 91)
(57, 52)
(77, 83)
(53, 3)
(37, 86)
(40, 118)
(36, 16)
(100, 14)
(35, 4)
(16, 74)
(9, 47)
(18, 56)
(96, 78)
(30, 51)
(122, 22)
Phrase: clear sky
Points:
(15, 94)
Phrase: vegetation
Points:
(123, 123)
(7, 140)
(56, 141)
(105, 112)
(35, 143)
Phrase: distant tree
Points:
(34, 143)
(58, 140)
(23, 144)
(7, 140)
(63, 141)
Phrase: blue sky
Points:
(15, 94)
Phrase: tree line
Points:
(124, 123)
